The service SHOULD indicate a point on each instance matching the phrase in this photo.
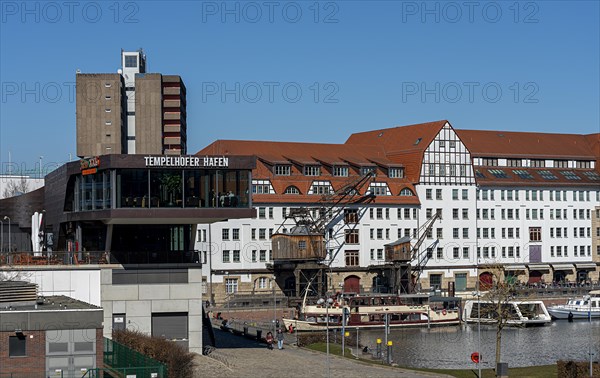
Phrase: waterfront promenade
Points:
(238, 356)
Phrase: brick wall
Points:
(34, 364)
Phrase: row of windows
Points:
(562, 232)
(531, 195)
(229, 256)
(337, 170)
(438, 194)
(536, 163)
(560, 251)
(452, 170)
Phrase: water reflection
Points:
(451, 347)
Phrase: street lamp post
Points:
(327, 303)
(41, 157)
(478, 284)
(5, 218)
(274, 306)
(227, 289)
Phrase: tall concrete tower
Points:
(131, 111)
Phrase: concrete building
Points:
(130, 112)
(522, 200)
(53, 336)
(123, 230)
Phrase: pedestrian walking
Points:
(280, 338)
(269, 340)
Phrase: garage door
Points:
(171, 326)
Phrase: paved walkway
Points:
(237, 356)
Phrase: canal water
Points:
(451, 347)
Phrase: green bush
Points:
(177, 358)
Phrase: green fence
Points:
(124, 361)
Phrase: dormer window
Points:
(367, 170)
(340, 171)
(312, 170)
(283, 170)
(395, 172)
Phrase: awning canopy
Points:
(562, 266)
(586, 266)
(539, 266)
(514, 267)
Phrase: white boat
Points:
(518, 313)
(371, 312)
(579, 308)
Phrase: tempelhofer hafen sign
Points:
(186, 161)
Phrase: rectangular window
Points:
(465, 252)
(302, 244)
(312, 170)
(455, 194)
(262, 233)
(283, 170)
(438, 194)
(535, 234)
(435, 281)
(351, 236)
(254, 255)
(465, 213)
(439, 253)
(261, 213)
(270, 213)
(253, 232)
(454, 213)
(395, 172)
(225, 234)
(352, 258)
(465, 233)
(262, 255)
(455, 253)
(406, 213)
(465, 194)
(231, 285)
(226, 256)
(351, 216)
(428, 194)
(17, 346)
(236, 256)
(340, 171)
(236, 234)
(131, 61)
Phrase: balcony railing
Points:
(98, 258)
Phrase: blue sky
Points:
(306, 71)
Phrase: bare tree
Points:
(16, 188)
(496, 303)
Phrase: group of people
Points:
(269, 338)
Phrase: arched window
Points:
(292, 190)
(406, 192)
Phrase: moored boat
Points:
(517, 313)
(372, 312)
(578, 308)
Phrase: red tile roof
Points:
(537, 177)
(528, 145)
(400, 139)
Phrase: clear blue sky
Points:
(376, 65)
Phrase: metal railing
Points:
(99, 257)
(119, 358)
